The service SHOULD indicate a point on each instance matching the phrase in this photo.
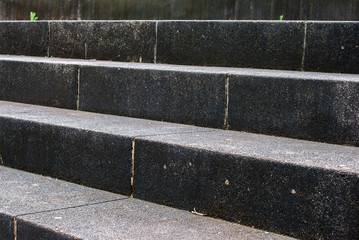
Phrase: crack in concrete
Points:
(78, 89)
(304, 46)
(15, 228)
(132, 167)
(155, 47)
(73, 207)
(225, 124)
(48, 40)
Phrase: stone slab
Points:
(332, 47)
(307, 105)
(132, 219)
(196, 98)
(86, 148)
(299, 188)
(39, 83)
(319, 109)
(131, 41)
(24, 193)
(255, 44)
(24, 38)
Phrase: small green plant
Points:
(33, 16)
(281, 17)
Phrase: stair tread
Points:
(273, 148)
(44, 206)
(188, 68)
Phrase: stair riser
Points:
(324, 108)
(303, 202)
(304, 189)
(296, 45)
(39, 83)
(89, 158)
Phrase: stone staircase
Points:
(252, 122)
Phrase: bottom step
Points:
(38, 207)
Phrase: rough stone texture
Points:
(303, 189)
(39, 83)
(273, 45)
(183, 97)
(6, 227)
(131, 41)
(89, 149)
(25, 193)
(324, 108)
(133, 219)
(23, 38)
(332, 47)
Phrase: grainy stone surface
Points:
(131, 41)
(89, 149)
(183, 97)
(299, 188)
(133, 219)
(25, 193)
(39, 83)
(332, 47)
(24, 38)
(325, 110)
(257, 44)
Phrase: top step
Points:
(285, 45)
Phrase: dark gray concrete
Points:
(24, 193)
(176, 96)
(131, 41)
(306, 107)
(303, 189)
(332, 47)
(39, 83)
(273, 45)
(23, 38)
(132, 219)
(89, 149)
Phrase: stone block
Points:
(47, 84)
(190, 97)
(311, 106)
(24, 38)
(24, 193)
(127, 41)
(132, 219)
(332, 47)
(254, 44)
(298, 188)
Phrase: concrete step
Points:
(313, 106)
(302, 189)
(287, 45)
(34, 207)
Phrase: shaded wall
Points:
(181, 9)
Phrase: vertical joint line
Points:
(155, 47)
(48, 39)
(132, 167)
(1, 161)
(15, 230)
(304, 45)
(225, 124)
(78, 89)
(85, 50)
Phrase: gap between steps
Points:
(155, 47)
(133, 147)
(304, 46)
(226, 94)
(73, 207)
(78, 88)
(48, 39)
